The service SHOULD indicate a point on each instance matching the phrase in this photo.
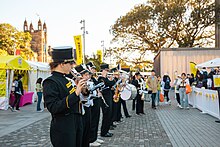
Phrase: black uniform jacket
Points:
(108, 84)
(64, 106)
(136, 84)
(60, 96)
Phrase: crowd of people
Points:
(203, 78)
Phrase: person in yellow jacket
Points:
(158, 90)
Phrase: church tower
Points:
(25, 26)
(39, 40)
(39, 25)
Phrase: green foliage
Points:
(95, 60)
(163, 24)
(11, 39)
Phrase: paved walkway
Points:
(167, 126)
(189, 127)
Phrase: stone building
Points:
(39, 40)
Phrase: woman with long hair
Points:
(39, 90)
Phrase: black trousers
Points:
(153, 96)
(123, 102)
(107, 113)
(139, 105)
(116, 109)
(66, 130)
(133, 104)
(166, 94)
(178, 98)
(86, 120)
(95, 114)
(17, 101)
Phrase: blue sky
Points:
(63, 16)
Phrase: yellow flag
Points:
(79, 53)
(193, 68)
(2, 83)
(99, 54)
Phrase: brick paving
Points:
(165, 127)
(189, 127)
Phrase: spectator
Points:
(158, 90)
(182, 91)
(39, 90)
(152, 84)
(191, 79)
(177, 90)
(166, 87)
(18, 92)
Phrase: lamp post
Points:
(45, 46)
(84, 38)
(103, 49)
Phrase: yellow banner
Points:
(79, 52)
(193, 68)
(2, 83)
(216, 79)
(100, 56)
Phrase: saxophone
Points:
(116, 94)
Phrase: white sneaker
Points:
(180, 107)
(115, 123)
(40, 110)
(100, 141)
(95, 144)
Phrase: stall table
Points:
(25, 99)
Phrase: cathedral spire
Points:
(25, 25)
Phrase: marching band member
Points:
(140, 102)
(107, 94)
(86, 118)
(63, 101)
(116, 103)
(95, 111)
(123, 102)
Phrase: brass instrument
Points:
(86, 90)
(116, 95)
(117, 90)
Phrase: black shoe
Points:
(128, 116)
(217, 121)
(107, 135)
(18, 109)
(111, 128)
(114, 126)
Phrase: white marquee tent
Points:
(209, 64)
(39, 70)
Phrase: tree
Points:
(95, 60)
(163, 24)
(11, 39)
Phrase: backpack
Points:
(167, 84)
